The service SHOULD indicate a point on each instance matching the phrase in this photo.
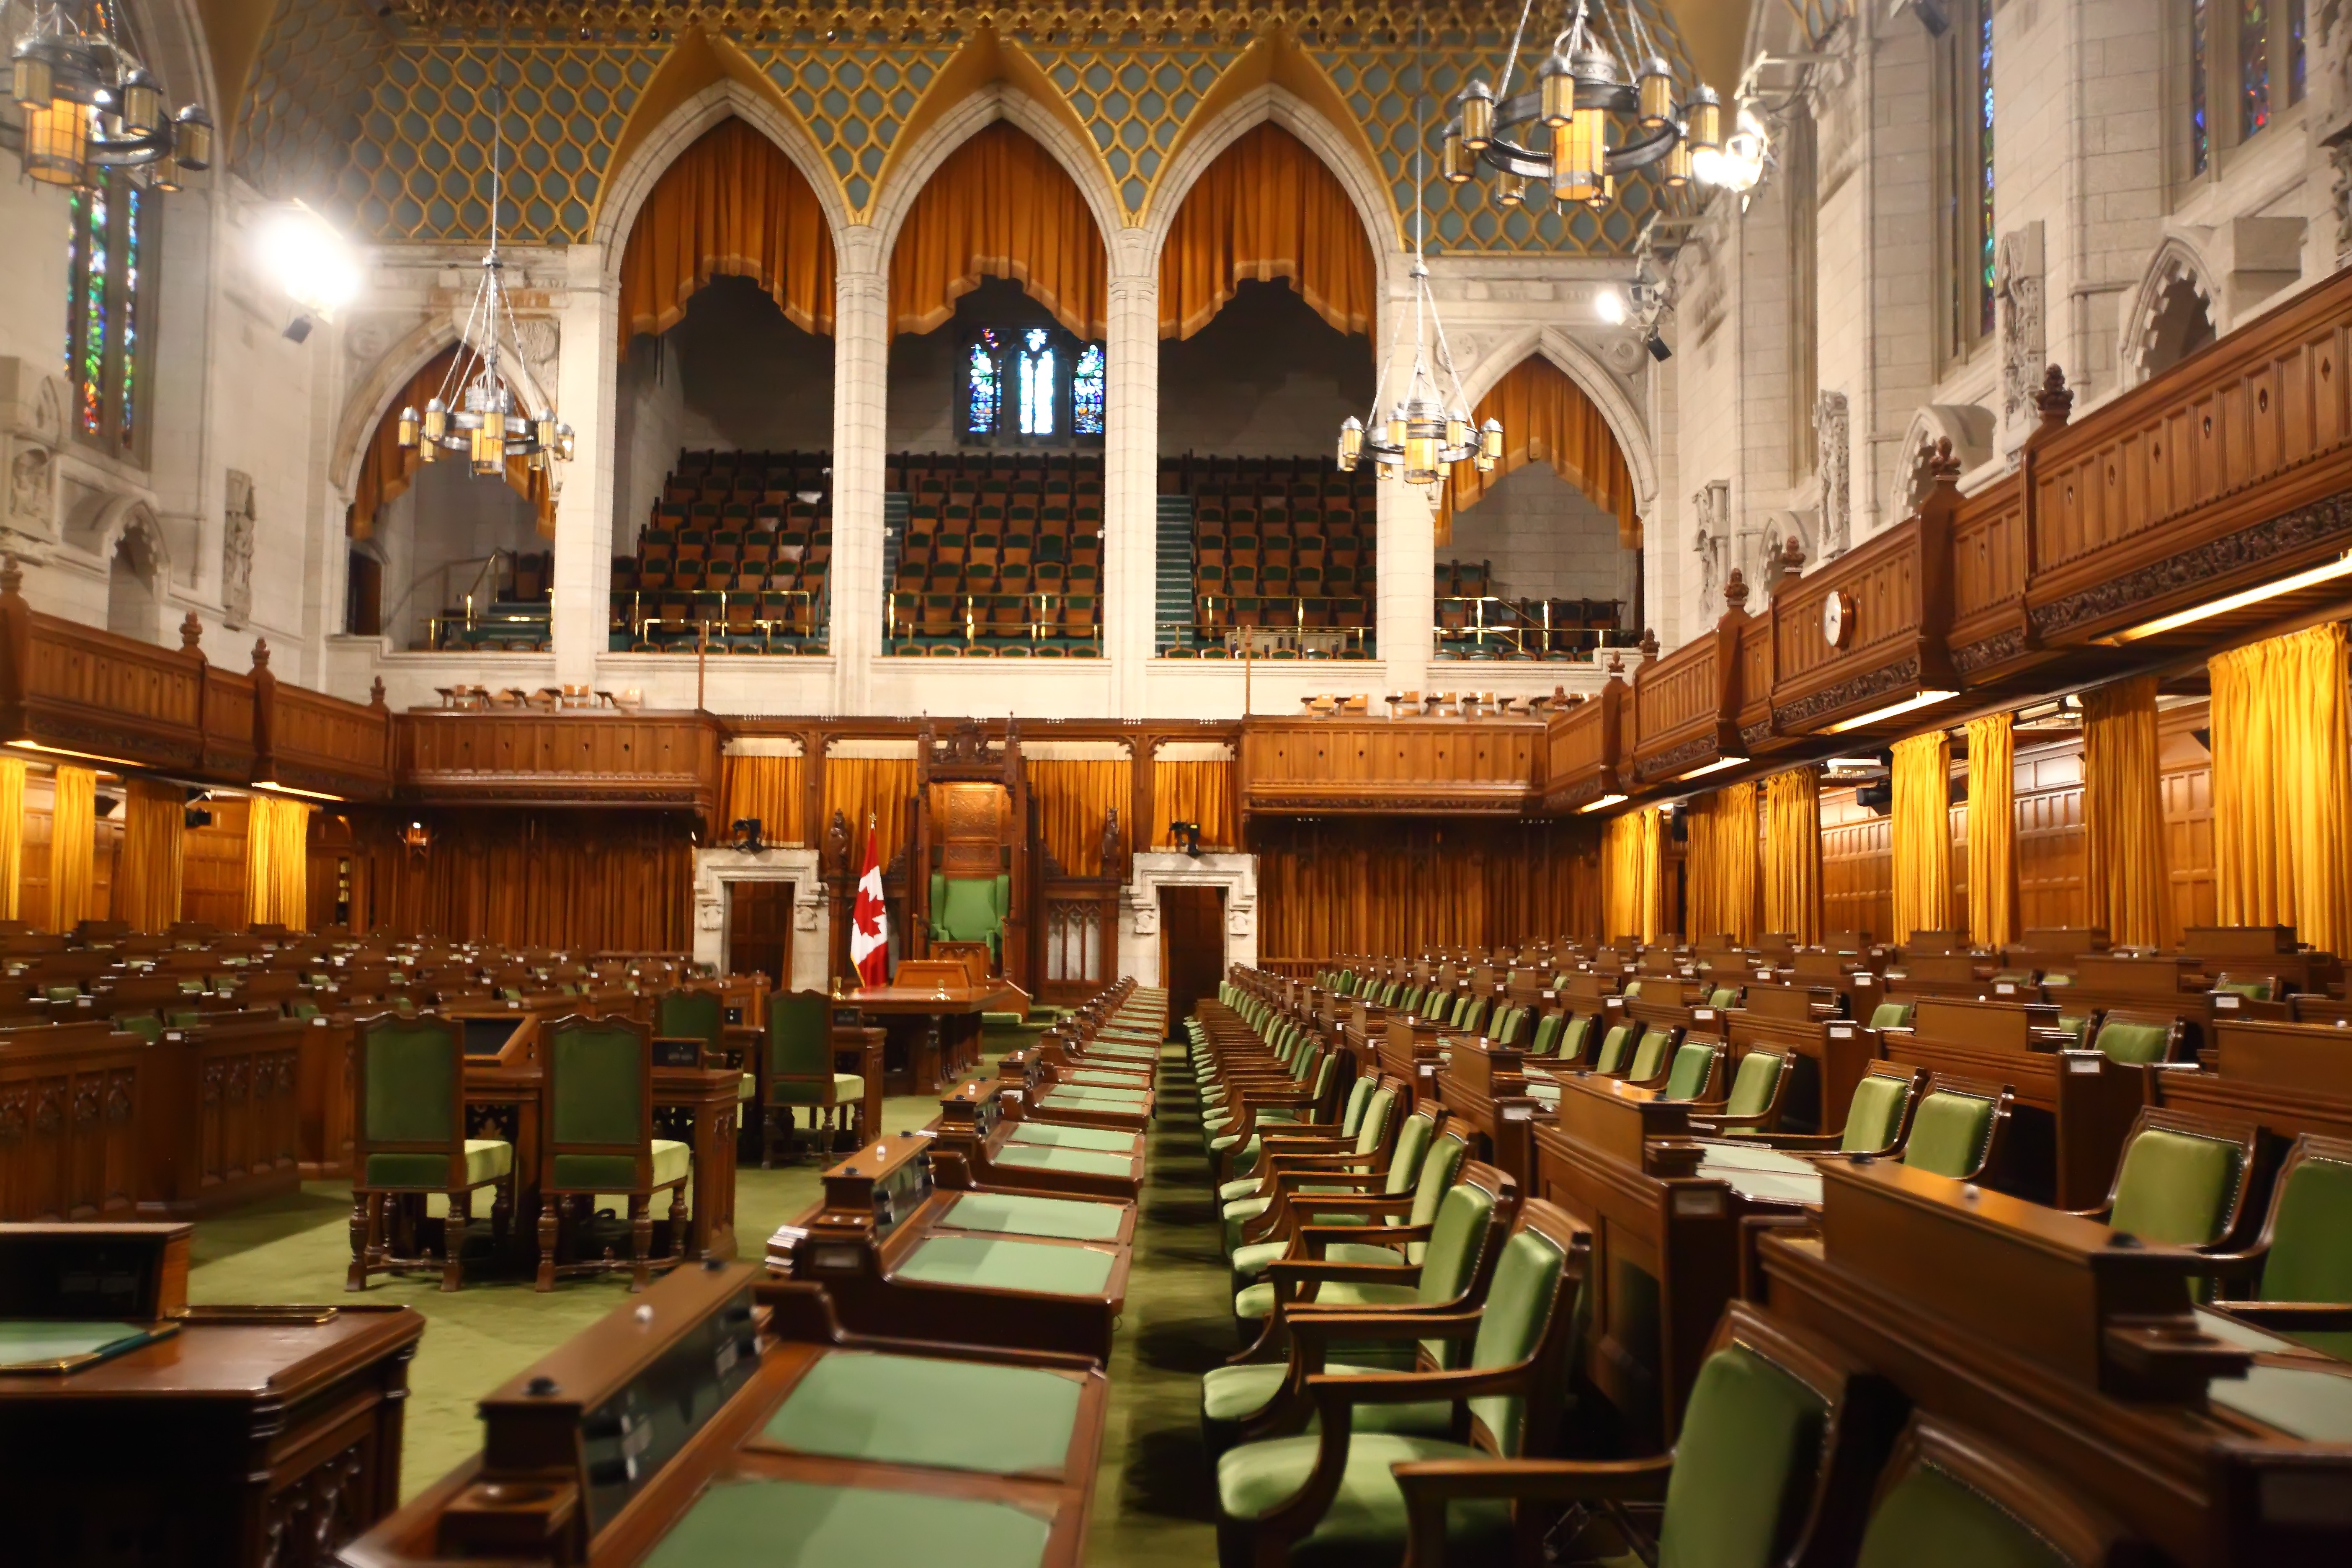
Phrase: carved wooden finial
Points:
(12, 577)
(1943, 468)
(260, 654)
(192, 634)
(375, 693)
(1649, 646)
(1617, 664)
(2056, 403)
(1792, 555)
(1735, 590)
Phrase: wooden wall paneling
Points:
(2185, 778)
(561, 759)
(1388, 765)
(1583, 758)
(1857, 866)
(212, 865)
(1756, 675)
(1988, 574)
(2051, 847)
(1685, 704)
(70, 1133)
(2202, 480)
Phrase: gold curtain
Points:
(1401, 887)
(2125, 877)
(1199, 791)
(999, 206)
(12, 835)
(583, 881)
(1073, 799)
(388, 469)
(1793, 854)
(277, 863)
(766, 787)
(1266, 208)
(73, 848)
(2282, 784)
(884, 785)
(1547, 418)
(1629, 877)
(147, 888)
(1992, 832)
(732, 206)
(1721, 865)
(1920, 826)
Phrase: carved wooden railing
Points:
(1580, 750)
(94, 695)
(1390, 765)
(533, 758)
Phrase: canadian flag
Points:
(870, 922)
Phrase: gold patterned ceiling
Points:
(385, 115)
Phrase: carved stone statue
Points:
(1110, 843)
(1831, 428)
(236, 551)
(836, 849)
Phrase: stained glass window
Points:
(1029, 385)
(1984, 166)
(983, 392)
(1087, 392)
(2254, 67)
(2201, 133)
(108, 237)
(2295, 51)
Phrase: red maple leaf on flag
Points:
(869, 920)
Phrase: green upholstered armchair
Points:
(1877, 1117)
(799, 1069)
(2181, 1180)
(1779, 1445)
(597, 1137)
(408, 1140)
(701, 1016)
(2301, 1265)
(971, 908)
(1951, 1495)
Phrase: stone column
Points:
(861, 375)
(1131, 465)
(586, 398)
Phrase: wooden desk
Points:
(1486, 1086)
(251, 1436)
(2292, 1078)
(75, 1098)
(1665, 1241)
(983, 1124)
(2079, 1357)
(891, 1251)
(933, 1029)
(685, 1426)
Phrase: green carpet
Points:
(1153, 1503)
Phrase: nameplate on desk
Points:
(1702, 1014)
(2084, 1061)
(2226, 1000)
(1841, 1031)
(2005, 988)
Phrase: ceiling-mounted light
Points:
(1602, 803)
(1609, 306)
(2326, 572)
(1892, 710)
(310, 260)
(1716, 766)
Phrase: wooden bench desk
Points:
(983, 1122)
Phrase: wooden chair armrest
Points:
(1536, 1480)
(1314, 1237)
(1291, 1181)
(1299, 1270)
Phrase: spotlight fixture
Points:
(310, 260)
(1188, 837)
(747, 835)
(297, 330)
(417, 839)
(89, 105)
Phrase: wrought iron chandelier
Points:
(89, 105)
(1556, 134)
(479, 411)
(1423, 436)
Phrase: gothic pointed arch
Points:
(1001, 205)
(1547, 417)
(1267, 209)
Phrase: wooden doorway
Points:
(759, 931)
(1192, 946)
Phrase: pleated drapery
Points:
(1547, 418)
(1000, 206)
(12, 836)
(1199, 791)
(583, 882)
(1793, 854)
(2282, 784)
(147, 884)
(732, 206)
(1992, 832)
(1404, 887)
(1721, 869)
(883, 785)
(1267, 208)
(2125, 878)
(766, 787)
(73, 848)
(277, 863)
(1075, 798)
(387, 468)
(1920, 827)
(1630, 876)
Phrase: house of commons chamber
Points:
(1440, 784)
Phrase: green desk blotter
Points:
(52, 1345)
(918, 1410)
(981, 1264)
(1109, 1140)
(1016, 1214)
(2314, 1404)
(1077, 1161)
(794, 1524)
(1087, 1094)
(1108, 1078)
